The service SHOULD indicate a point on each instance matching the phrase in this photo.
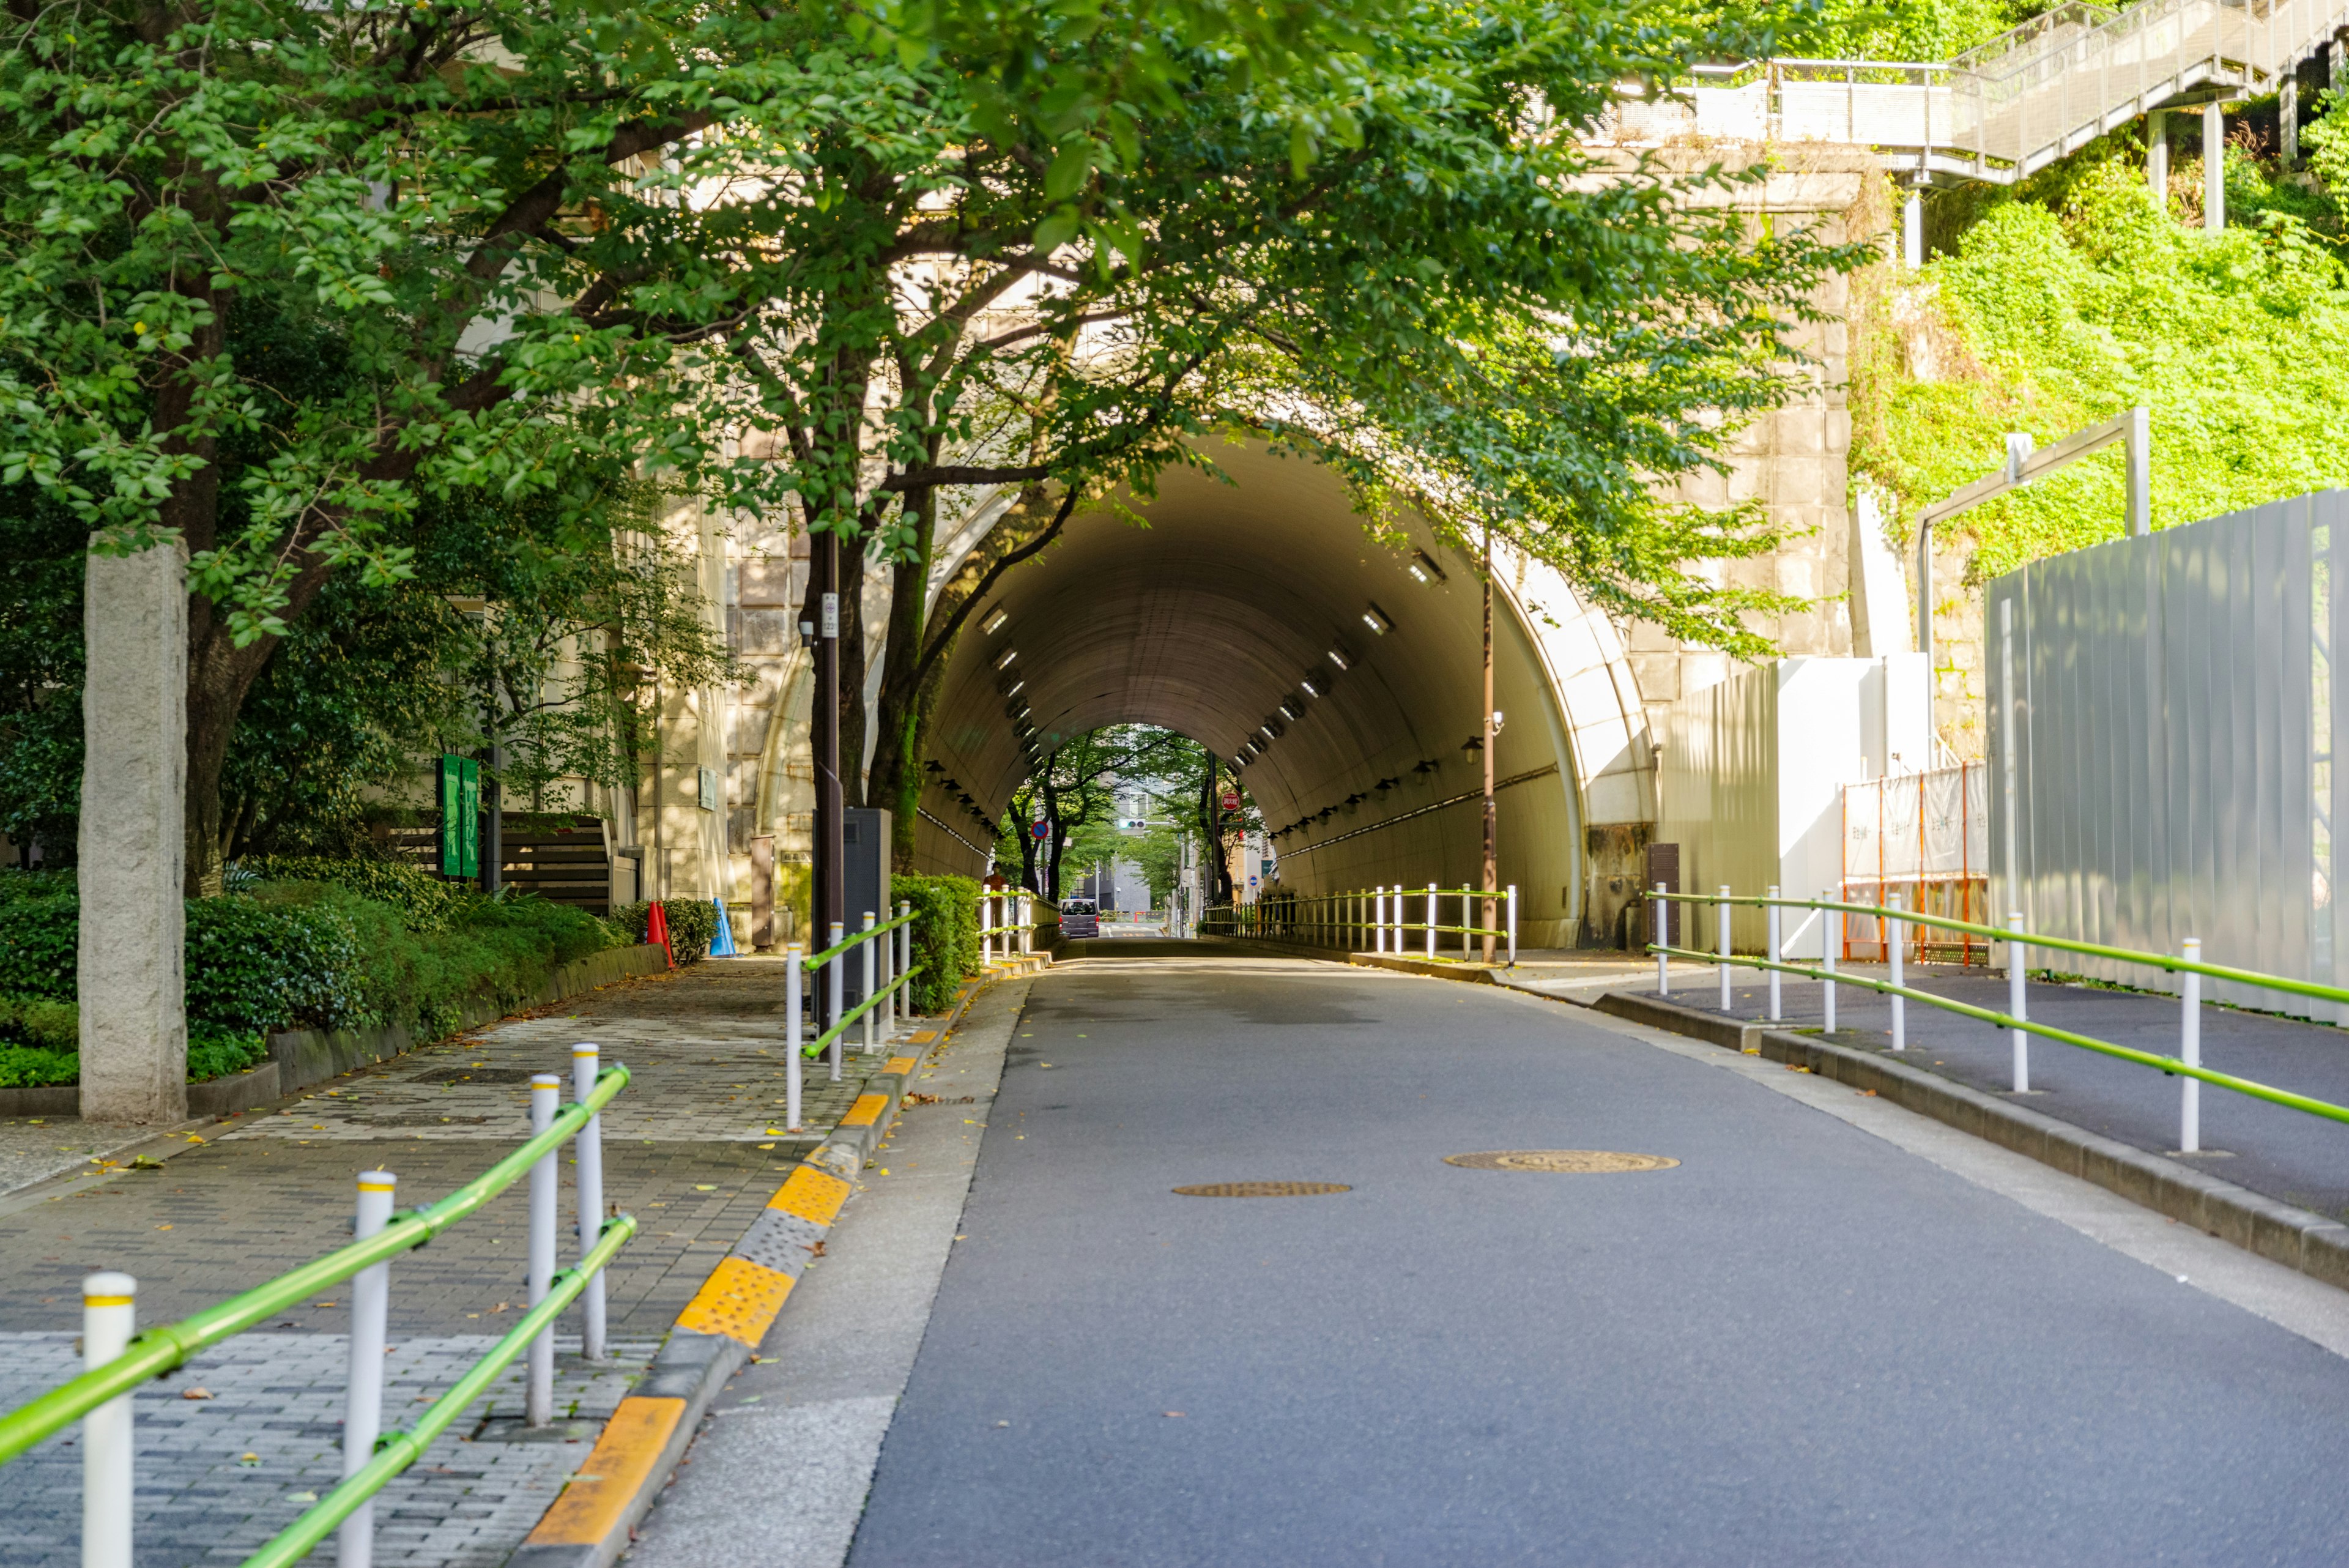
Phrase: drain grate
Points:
(1262, 1189)
(1570, 1162)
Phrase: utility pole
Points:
(828, 889)
(1492, 867)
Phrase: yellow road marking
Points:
(813, 1195)
(590, 1510)
(866, 1111)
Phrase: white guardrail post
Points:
(362, 1397)
(1430, 919)
(905, 960)
(1379, 919)
(1662, 926)
(2190, 1050)
(1775, 957)
(865, 947)
(538, 1402)
(1721, 910)
(2015, 969)
(1830, 938)
(832, 991)
(587, 1197)
(109, 1312)
(887, 981)
(1513, 925)
(1892, 945)
(794, 956)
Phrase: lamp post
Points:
(1491, 729)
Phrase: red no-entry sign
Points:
(1231, 800)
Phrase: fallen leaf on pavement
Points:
(195, 1392)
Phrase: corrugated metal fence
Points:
(2162, 710)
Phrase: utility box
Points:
(864, 882)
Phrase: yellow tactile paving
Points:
(618, 1469)
(866, 1111)
(925, 1037)
(739, 1300)
(902, 1063)
(813, 1195)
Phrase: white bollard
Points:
(985, 934)
(1663, 930)
(1892, 945)
(2015, 966)
(2190, 1051)
(1379, 919)
(794, 1028)
(363, 1399)
(1467, 925)
(1721, 910)
(109, 1312)
(905, 941)
(1775, 957)
(832, 995)
(1830, 938)
(887, 1007)
(587, 1168)
(545, 1095)
(866, 948)
(1513, 925)
(1430, 919)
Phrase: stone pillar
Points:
(1913, 229)
(2156, 155)
(2288, 115)
(132, 985)
(2214, 168)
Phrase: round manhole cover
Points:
(1262, 1189)
(1573, 1161)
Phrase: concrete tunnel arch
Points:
(1208, 618)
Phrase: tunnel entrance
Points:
(1341, 673)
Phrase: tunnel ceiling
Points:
(1205, 622)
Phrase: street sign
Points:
(1231, 800)
(1040, 831)
(461, 817)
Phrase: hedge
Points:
(692, 924)
(945, 935)
(40, 1043)
(425, 902)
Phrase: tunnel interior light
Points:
(1292, 708)
(1377, 619)
(1315, 685)
(1267, 732)
(995, 619)
(1003, 660)
(1424, 569)
(1342, 658)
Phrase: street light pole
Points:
(1491, 865)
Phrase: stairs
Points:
(2008, 107)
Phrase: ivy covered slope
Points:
(2076, 299)
(323, 944)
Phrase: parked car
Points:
(1080, 918)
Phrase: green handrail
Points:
(2168, 961)
(394, 1451)
(168, 1346)
(815, 1047)
(2171, 1065)
(849, 941)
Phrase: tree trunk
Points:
(853, 667)
(902, 715)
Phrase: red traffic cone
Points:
(657, 930)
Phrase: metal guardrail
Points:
(2187, 964)
(1020, 928)
(1372, 916)
(120, 1362)
(889, 971)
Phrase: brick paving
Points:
(693, 1148)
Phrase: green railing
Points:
(169, 1347)
(1370, 919)
(2187, 1064)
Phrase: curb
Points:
(591, 1522)
(2297, 1238)
(1436, 969)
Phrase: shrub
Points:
(254, 964)
(945, 935)
(39, 930)
(424, 901)
(28, 1066)
(40, 1044)
(693, 925)
(216, 1052)
(40, 1021)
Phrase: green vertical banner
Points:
(461, 817)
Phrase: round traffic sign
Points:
(1040, 830)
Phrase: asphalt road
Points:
(1804, 1345)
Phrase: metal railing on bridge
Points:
(2187, 964)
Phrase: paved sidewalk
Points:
(2285, 1154)
(694, 1148)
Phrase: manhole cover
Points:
(1574, 1161)
(1262, 1189)
(478, 1075)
